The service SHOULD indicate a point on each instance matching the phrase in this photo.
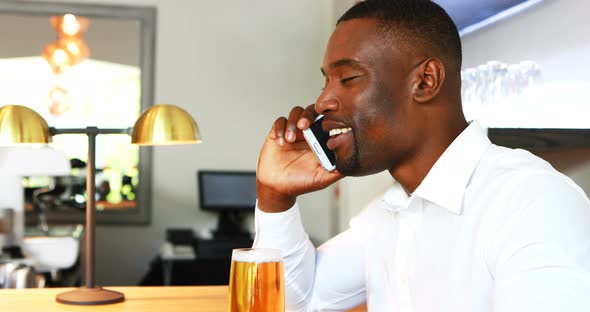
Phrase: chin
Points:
(355, 172)
(349, 167)
(352, 167)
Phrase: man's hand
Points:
(287, 167)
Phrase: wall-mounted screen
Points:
(227, 190)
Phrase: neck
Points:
(412, 172)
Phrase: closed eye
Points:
(348, 79)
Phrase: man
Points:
(468, 226)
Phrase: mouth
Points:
(335, 132)
(338, 136)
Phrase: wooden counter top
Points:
(137, 299)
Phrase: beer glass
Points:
(256, 281)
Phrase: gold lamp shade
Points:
(22, 125)
(165, 124)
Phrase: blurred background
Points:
(235, 66)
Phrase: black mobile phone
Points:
(317, 138)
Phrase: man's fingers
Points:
(279, 130)
(291, 129)
(287, 129)
(307, 117)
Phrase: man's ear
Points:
(430, 76)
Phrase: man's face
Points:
(367, 98)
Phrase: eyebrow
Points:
(341, 63)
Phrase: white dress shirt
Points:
(488, 229)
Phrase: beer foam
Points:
(256, 255)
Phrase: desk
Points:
(170, 253)
(207, 262)
(144, 299)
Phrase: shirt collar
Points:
(445, 183)
(396, 198)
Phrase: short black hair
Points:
(420, 21)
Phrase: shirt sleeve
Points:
(329, 278)
(542, 254)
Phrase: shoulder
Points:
(522, 175)
(519, 182)
(499, 161)
(532, 206)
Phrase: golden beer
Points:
(256, 281)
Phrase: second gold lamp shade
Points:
(160, 124)
(165, 124)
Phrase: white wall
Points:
(556, 35)
(339, 7)
(235, 66)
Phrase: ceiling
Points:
(467, 13)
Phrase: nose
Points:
(326, 102)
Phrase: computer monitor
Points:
(230, 194)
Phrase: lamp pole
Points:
(92, 132)
(91, 294)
